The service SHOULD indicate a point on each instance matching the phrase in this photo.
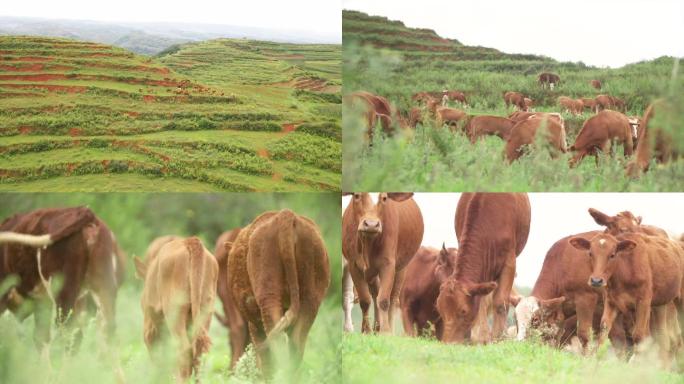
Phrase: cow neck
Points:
(476, 259)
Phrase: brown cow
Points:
(450, 116)
(231, 319)
(625, 222)
(178, 295)
(529, 103)
(479, 126)
(375, 107)
(519, 116)
(596, 84)
(654, 141)
(35, 246)
(639, 274)
(602, 102)
(457, 96)
(428, 269)
(597, 133)
(551, 79)
(515, 98)
(378, 241)
(492, 230)
(576, 107)
(588, 103)
(278, 274)
(525, 132)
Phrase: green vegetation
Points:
(213, 106)
(386, 58)
(136, 219)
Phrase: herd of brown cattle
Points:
(608, 126)
(625, 283)
(271, 277)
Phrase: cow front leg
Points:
(387, 274)
(364, 296)
(584, 308)
(501, 295)
(607, 319)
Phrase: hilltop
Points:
(87, 116)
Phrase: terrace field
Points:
(232, 115)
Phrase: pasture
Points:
(136, 220)
(230, 115)
(386, 58)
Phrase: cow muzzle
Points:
(370, 227)
(597, 282)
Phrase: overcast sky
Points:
(597, 32)
(554, 216)
(309, 15)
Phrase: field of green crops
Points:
(136, 219)
(232, 115)
(386, 58)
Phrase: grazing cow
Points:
(519, 116)
(479, 126)
(574, 106)
(602, 102)
(178, 295)
(619, 104)
(72, 242)
(457, 96)
(654, 141)
(550, 79)
(596, 84)
(375, 107)
(278, 274)
(639, 274)
(529, 103)
(492, 230)
(598, 132)
(525, 132)
(588, 103)
(515, 98)
(449, 116)
(231, 319)
(427, 270)
(378, 241)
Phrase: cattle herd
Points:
(271, 277)
(609, 124)
(624, 283)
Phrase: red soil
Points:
(74, 132)
(149, 98)
(61, 76)
(263, 152)
(25, 130)
(28, 58)
(289, 127)
(133, 114)
(277, 176)
(50, 87)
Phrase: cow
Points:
(374, 108)
(73, 242)
(529, 103)
(550, 79)
(588, 103)
(598, 132)
(492, 230)
(654, 142)
(515, 98)
(519, 116)
(596, 84)
(640, 275)
(278, 275)
(602, 102)
(449, 116)
(525, 132)
(574, 106)
(458, 96)
(378, 241)
(480, 126)
(348, 297)
(624, 222)
(178, 294)
(232, 319)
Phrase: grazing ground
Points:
(235, 115)
(136, 219)
(386, 58)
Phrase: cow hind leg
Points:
(238, 340)
(299, 334)
(179, 331)
(501, 295)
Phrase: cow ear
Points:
(638, 219)
(229, 246)
(626, 245)
(580, 243)
(552, 304)
(400, 196)
(481, 288)
(443, 258)
(600, 218)
(140, 268)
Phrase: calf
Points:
(525, 132)
(598, 132)
(178, 294)
(278, 274)
(492, 230)
(596, 84)
(515, 98)
(450, 116)
(479, 126)
(625, 222)
(574, 106)
(378, 241)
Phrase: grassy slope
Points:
(400, 69)
(57, 90)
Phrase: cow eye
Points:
(384, 198)
(356, 196)
(612, 255)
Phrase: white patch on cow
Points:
(347, 298)
(602, 242)
(524, 311)
(114, 266)
(551, 85)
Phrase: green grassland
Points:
(136, 219)
(391, 60)
(267, 113)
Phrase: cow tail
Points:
(286, 221)
(196, 251)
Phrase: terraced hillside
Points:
(84, 116)
(387, 58)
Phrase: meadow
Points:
(230, 115)
(388, 59)
(136, 220)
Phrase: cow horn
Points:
(22, 238)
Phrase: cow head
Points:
(369, 215)
(623, 222)
(544, 317)
(445, 263)
(604, 250)
(457, 305)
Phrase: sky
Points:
(597, 32)
(314, 15)
(554, 216)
